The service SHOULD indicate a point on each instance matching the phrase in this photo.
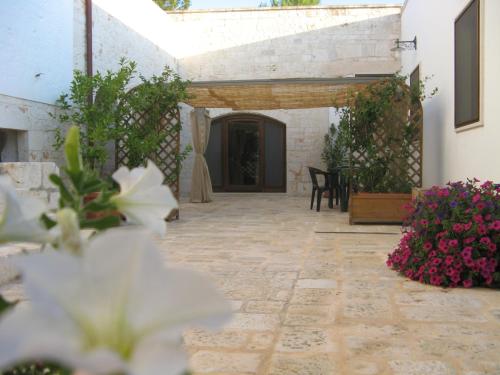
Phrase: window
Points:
(467, 66)
(415, 80)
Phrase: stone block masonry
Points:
(32, 179)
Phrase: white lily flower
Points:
(143, 198)
(20, 219)
(115, 309)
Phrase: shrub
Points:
(452, 237)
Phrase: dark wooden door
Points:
(247, 153)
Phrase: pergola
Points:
(265, 94)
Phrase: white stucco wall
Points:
(451, 154)
(35, 48)
(48, 37)
(263, 43)
(36, 66)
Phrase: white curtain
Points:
(201, 185)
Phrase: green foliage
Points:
(335, 153)
(37, 368)
(377, 123)
(92, 105)
(152, 99)
(81, 182)
(288, 3)
(104, 118)
(173, 4)
(5, 305)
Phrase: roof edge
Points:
(358, 78)
(288, 8)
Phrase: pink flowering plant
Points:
(452, 237)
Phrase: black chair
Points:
(330, 184)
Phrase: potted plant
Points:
(452, 236)
(381, 127)
(110, 115)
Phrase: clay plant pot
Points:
(98, 215)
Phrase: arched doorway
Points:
(247, 153)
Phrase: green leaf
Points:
(72, 150)
(65, 194)
(106, 222)
(5, 305)
(96, 206)
(49, 223)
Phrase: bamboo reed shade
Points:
(276, 93)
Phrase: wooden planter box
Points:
(380, 208)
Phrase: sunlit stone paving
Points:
(312, 303)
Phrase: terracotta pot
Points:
(98, 215)
(380, 208)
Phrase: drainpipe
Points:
(88, 39)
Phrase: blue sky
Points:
(200, 4)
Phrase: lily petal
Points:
(28, 335)
(114, 309)
(143, 199)
(20, 220)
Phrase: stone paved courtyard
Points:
(309, 303)
(313, 303)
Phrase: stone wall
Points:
(305, 129)
(259, 43)
(33, 128)
(32, 179)
(264, 43)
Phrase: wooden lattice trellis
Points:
(166, 156)
(403, 152)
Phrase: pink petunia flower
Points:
(482, 230)
(448, 260)
(467, 283)
(485, 240)
(478, 219)
(469, 240)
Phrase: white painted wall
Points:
(450, 154)
(36, 46)
(48, 37)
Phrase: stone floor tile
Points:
(206, 361)
(261, 341)
(316, 283)
(313, 297)
(224, 339)
(264, 306)
(253, 322)
(407, 367)
(305, 339)
(320, 364)
(309, 315)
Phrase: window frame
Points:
(415, 70)
(476, 121)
